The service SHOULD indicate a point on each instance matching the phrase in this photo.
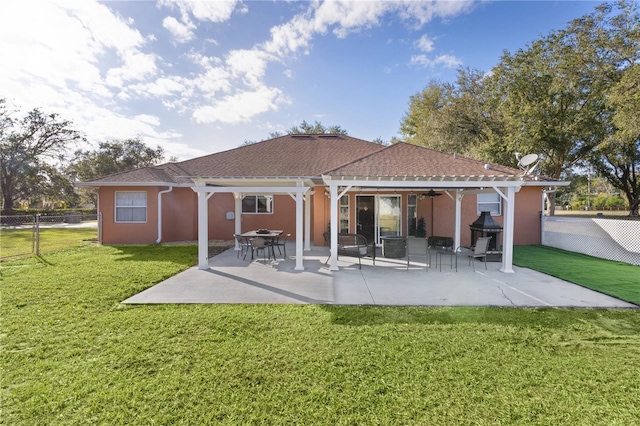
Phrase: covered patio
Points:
(230, 279)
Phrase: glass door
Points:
(389, 211)
(365, 223)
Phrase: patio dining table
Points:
(273, 233)
(268, 236)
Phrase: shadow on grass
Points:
(359, 316)
(186, 254)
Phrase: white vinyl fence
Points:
(607, 238)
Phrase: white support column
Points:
(458, 220)
(507, 243)
(333, 199)
(307, 221)
(203, 231)
(237, 197)
(299, 222)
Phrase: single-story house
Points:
(311, 184)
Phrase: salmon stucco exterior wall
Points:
(128, 233)
(180, 219)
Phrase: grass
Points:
(20, 241)
(617, 279)
(72, 354)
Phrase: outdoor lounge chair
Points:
(353, 245)
(480, 251)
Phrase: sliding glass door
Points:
(378, 216)
(389, 212)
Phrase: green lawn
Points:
(72, 354)
(617, 279)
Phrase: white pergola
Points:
(454, 187)
(300, 188)
(297, 188)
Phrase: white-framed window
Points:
(257, 204)
(131, 206)
(490, 202)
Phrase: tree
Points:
(618, 157)
(608, 46)
(572, 96)
(32, 150)
(456, 118)
(316, 129)
(113, 157)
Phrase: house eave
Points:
(253, 181)
(137, 184)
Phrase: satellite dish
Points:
(527, 161)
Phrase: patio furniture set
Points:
(355, 245)
(262, 240)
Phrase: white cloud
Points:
(91, 64)
(425, 43)
(423, 12)
(241, 107)
(447, 61)
(214, 11)
(182, 32)
(248, 65)
(137, 66)
(203, 10)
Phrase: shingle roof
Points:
(403, 159)
(291, 155)
(311, 156)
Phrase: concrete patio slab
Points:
(389, 282)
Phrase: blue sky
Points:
(198, 77)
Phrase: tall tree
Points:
(554, 94)
(113, 157)
(32, 149)
(608, 42)
(456, 118)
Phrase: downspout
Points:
(160, 213)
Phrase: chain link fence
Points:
(605, 237)
(31, 235)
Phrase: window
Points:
(344, 214)
(257, 204)
(131, 206)
(490, 202)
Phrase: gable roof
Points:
(311, 157)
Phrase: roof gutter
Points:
(160, 212)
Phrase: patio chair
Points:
(257, 245)
(281, 241)
(417, 247)
(480, 251)
(243, 244)
(354, 245)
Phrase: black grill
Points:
(485, 226)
